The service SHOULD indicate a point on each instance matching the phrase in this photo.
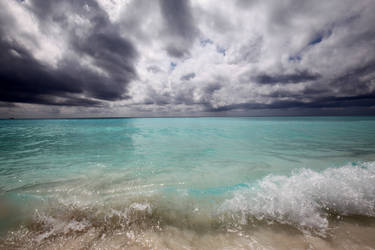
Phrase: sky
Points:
(140, 58)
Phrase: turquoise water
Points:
(173, 168)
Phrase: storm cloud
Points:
(186, 57)
(287, 78)
(70, 82)
(179, 25)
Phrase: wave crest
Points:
(306, 199)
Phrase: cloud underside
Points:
(70, 82)
(164, 56)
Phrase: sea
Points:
(188, 183)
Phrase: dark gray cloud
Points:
(180, 26)
(24, 79)
(177, 52)
(298, 77)
(352, 89)
(211, 88)
(327, 102)
(154, 69)
(115, 55)
(179, 19)
(188, 77)
(358, 80)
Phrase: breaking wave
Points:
(306, 200)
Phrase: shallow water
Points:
(188, 183)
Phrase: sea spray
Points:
(307, 198)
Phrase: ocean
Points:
(188, 183)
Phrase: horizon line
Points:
(202, 116)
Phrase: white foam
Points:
(141, 207)
(306, 198)
(55, 226)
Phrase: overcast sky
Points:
(90, 58)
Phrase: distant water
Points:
(188, 183)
